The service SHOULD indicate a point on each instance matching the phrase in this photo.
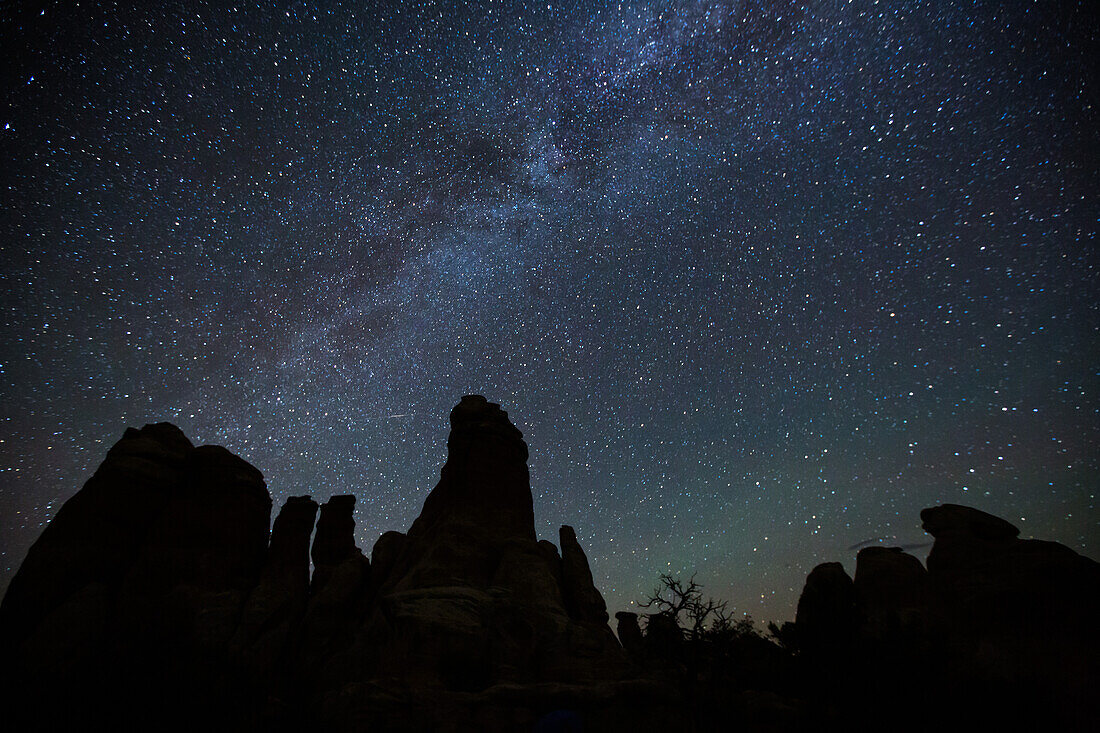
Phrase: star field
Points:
(757, 281)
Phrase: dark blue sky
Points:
(757, 281)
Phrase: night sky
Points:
(757, 282)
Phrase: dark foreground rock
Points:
(158, 599)
(826, 612)
(998, 632)
(1021, 618)
(468, 600)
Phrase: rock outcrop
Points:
(84, 553)
(138, 584)
(889, 579)
(204, 554)
(334, 542)
(582, 600)
(482, 502)
(275, 606)
(1000, 631)
(893, 606)
(468, 599)
(483, 481)
(157, 597)
(825, 617)
(340, 596)
(384, 555)
(630, 633)
(993, 581)
(158, 590)
(1022, 616)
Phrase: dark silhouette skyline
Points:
(158, 596)
(762, 279)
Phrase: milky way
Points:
(757, 281)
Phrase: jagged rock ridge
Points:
(159, 577)
(157, 598)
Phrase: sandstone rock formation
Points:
(138, 584)
(991, 579)
(893, 606)
(157, 587)
(582, 600)
(340, 596)
(1022, 615)
(275, 606)
(825, 617)
(630, 633)
(468, 599)
(888, 579)
(1000, 631)
(84, 553)
(158, 598)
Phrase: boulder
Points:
(954, 521)
(629, 633)
(826, 613)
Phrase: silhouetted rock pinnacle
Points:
(582, 600)
(275, 606)
(334, 542)
(95, 537)
(629, 633)
(476, 513)
(138, 584)
(484, 481)
(339, 593)
(468, 598)
(892, 596)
